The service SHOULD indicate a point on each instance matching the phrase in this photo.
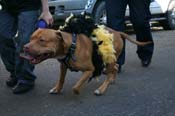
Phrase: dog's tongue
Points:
(30, 58)
(34, 61)
(26, 56)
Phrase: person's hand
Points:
(47, 17)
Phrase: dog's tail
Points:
(125, 36)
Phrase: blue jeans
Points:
(139, 16)
(24, 24)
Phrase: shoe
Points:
(146, 63)
(11, 82)
(22, 88)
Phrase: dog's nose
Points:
(26, 48)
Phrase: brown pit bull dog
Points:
(49, 43)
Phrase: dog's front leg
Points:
(105, 84)
(81, 81)
(59, 85)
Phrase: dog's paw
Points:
(97, 92)
(76, 91)
(54, 91)
(112, 82)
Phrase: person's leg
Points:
(115, 19)
(115, 10)
(140, 16)
(7, 46)
(24, 70)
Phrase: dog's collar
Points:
(70, 54)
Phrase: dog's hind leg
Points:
(59, 85)
(110, 79)
(86, 75)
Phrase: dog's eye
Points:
(41, 40)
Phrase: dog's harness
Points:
(95, 57)
(70, 54)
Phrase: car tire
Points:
(169, 23)
(99, 13)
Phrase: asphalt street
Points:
(137, 91)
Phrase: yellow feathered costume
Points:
(106, 48)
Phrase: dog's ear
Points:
(64, 37)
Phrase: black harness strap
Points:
(70, 54)
(73, 47)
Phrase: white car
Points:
(163, 11)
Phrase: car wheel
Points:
(169, 23)
(99, 13)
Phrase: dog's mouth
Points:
(35, 59)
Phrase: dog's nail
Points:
(53, 91)
(97, 92)
(112, 82)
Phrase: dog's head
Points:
(44, 44)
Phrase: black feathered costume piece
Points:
(83, 23)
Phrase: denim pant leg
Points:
(8, 28)
(140, 16)
(115, 20)
(26, 26)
